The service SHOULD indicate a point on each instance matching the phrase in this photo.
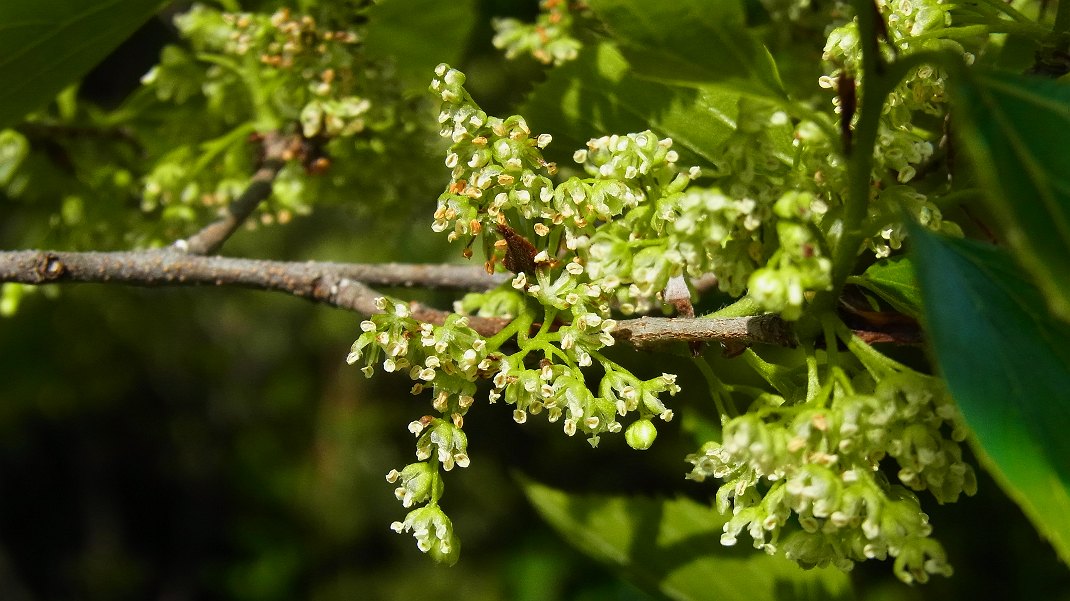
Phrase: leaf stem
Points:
(813, 379)
(717, 389)
(1062, 19)
(1007, 9)
(876, 363)
(879, 81)
(773, 374)
(495, 342)
(436, 479)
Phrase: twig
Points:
(764, 329)
(276, 149)
(166, 267)
(345, 286)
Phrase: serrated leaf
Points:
(47, 45)
(672, 548)
(1007, 364)
(417, 35)
(692, 42)
(1015, 130)
(595, 95)
(893, 280)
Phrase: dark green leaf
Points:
(672, 548)
(1007, 364)
(47, 45)
(595, 95)
(893, 280)
(692, 42)
(1015, 129)
(417, 35)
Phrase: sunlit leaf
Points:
(596, 95)
(672, 548)
(48, 44)
(692, 42)
(1014, 128)
(1007, 364)
(893, 280)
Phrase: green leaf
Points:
(596, 95)
(1014, 128)
(894, 282)
(692, 42)
(1007, 364)
(46, 45)
(13, 149)
(672, 548)
(417, 35)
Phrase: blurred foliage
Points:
(211, 444)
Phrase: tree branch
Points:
(345, 285)
(767, 329)
(275, 150)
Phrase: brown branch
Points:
(167, 267)
(345, 285)
(764, 329)
(276, 149)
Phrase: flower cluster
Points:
(805, 479)
(496, 164)
(549, 39)
(434, 534)
(562, 392)
(798, 265)
(448, 359)
(499, 176)
(905, 144)
(249, 73)
(802, 477)
(501, 180)
(294, 50)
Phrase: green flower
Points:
(433, 532)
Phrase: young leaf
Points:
(1007, 365)
(1014, 128)
(47, 45)
(692, 42)
(596, 95)
(893, 280)
(672, 548)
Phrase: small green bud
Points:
(641, 434)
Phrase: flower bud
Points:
(641, 434)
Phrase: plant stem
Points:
(1062, 19)
(744, 307)
(813, 380)
(436, 477)
(879, 81)
(1010, 11)
(507, 332)
(716, 389)
(875, 362)
(773, 374)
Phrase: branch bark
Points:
(275, 150)
(345, 285)
(645, 331)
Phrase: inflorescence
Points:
(805, 472)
